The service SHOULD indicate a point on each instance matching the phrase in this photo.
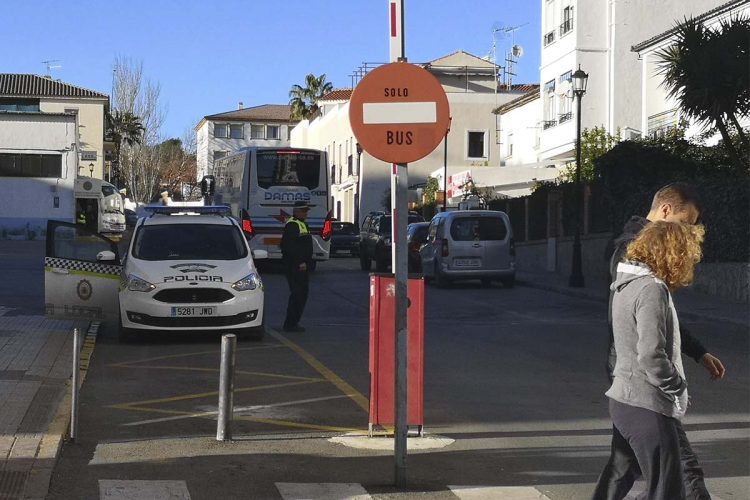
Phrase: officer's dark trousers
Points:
(298, 289)
(648, 441)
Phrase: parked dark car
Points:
(345, 238)
(416, 236)
(375, 240)
(130, 218)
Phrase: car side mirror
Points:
(260, 254)
(106, 255)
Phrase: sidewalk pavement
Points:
(36, 356)
(690, 304)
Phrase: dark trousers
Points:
(299, 285)
(648, 443)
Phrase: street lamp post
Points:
(580, 79)
(91, 170)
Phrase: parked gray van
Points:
(469, 244)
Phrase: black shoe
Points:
(294, 329)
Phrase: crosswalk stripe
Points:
(497, 493)
(110, 489)
(322, 491)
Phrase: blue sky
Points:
(207, 56)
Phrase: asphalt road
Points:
(513, 379)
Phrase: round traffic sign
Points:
(399, 112)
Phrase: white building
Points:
(359, 182)
(660, 113)
(223, 133)
(39, 159)
(42, 94)
(597, 36)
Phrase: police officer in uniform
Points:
(297, 251)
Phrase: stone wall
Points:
(730, 280)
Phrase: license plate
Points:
(193, 311)
(467, 262)
(272, 241)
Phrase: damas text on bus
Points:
(291, 196)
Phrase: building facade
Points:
(598, 37)
(41, 94)
(360, 182)
(221, 134)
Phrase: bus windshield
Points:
(288, 168)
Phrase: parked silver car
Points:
(469, 244)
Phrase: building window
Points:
(510, 145)
(565, 103)
(16, 104)
(289, 129)
(272, 132)
(30, 165)
(549, 38)
(567, 24)
(333, 174)
(219, 154)
(235, 132)
(549, 104)
(257, 132)
(71, 111)
(476, 145)
(221, 130)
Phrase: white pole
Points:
(226, 388)
(74, 388)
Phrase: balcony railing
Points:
(565, 117)
(548, 124)
(566, 26)
(549, 38)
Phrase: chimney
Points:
(240, 105)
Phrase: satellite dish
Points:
(517, 51)
(563, 88)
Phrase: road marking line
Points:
(184, 355)
(237, 410)
(497, 492)
(343, 386)
(216, 370)
(184, 397)
(322, 491)
(138, 489)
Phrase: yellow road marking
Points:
(216, 370)
(344, 387)
(125, 406)
(184, 355)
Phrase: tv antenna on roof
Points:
(50, 66)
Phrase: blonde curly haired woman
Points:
(649, 391)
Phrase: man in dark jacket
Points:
(676, 202)
(297, 251)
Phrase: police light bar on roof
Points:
(175, 210)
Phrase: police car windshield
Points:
(189, 241)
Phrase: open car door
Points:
(81, 273)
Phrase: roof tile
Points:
(23, 85)
(275, 112)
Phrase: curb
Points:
(693, 316)
(40, 475)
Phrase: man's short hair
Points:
(679, 195)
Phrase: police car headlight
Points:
(136, 284)
(249, 282)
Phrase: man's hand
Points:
(713, 365)
(303, 267)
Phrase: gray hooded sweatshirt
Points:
(648, 373)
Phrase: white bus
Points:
(262, 184)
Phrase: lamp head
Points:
(359, 149)
(580, 80)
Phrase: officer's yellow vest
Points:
(302, 226)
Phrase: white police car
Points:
(186, 269)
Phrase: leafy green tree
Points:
(304, 100)
(123, 128)
(707, 71)
(594, 143)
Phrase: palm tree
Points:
(707, 71)
(304, 100)
(123, 128)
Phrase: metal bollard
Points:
(74, 388)
(226, 388)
